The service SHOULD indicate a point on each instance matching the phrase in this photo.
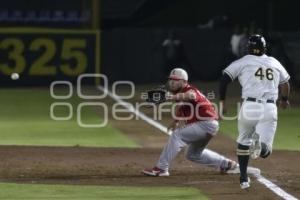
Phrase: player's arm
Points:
(284, 85)
(186, 96)
(173, 125)
(175, 122)
(285, 92)
(229, 74)
(225, 80)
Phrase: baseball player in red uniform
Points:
(200, 125)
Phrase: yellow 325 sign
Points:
(48, 52)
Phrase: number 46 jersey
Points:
(259, 76)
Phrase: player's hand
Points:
(169, 96)
(284, 104)
(173, 126)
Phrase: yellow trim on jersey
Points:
(228, 73)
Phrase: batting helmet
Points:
(257, 45)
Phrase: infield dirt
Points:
(122, 167)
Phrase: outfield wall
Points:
(137, 54)
(41, 56)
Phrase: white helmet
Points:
(178, 74)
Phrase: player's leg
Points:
(179, 139)
(243, 150)
(266, 128)
(183, 136)
(248, 118)
(196, 152)
(173, 147)
(255, 147)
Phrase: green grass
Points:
(288, 130)
(25, 120)
(63, 192)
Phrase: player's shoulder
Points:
(264, 57)
(241, 60)
(274, 62)
(273, 59)
(190, 87)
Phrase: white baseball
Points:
(14, 76)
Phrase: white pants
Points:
(196, 137)
(260, 118)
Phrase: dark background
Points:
(133, 31)
(269, 14)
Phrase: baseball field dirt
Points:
(122, 166)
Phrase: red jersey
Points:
(200, 109)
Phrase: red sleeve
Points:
(178, 111)
(198, 97)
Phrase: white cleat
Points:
(255, 147)
(245, 185)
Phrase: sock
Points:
(243, 153)
(265, 152)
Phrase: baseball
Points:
(14, 76)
